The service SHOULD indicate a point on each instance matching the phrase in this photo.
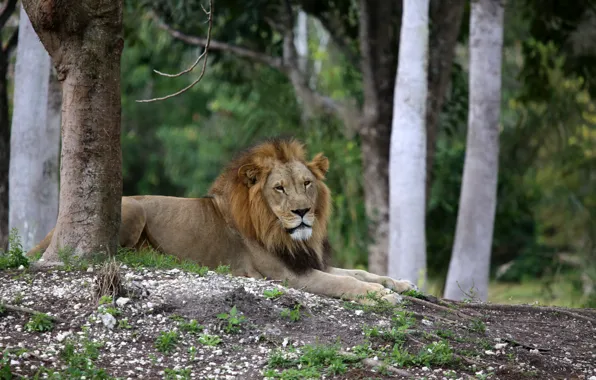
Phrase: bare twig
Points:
(525, 308)
(203, 56)
(437, 307)
(27, 310)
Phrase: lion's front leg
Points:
(340, 286)
(388, 282)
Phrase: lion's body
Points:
(266, 216)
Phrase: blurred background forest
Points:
(543, 247)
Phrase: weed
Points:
(192, 327)
(110, 310)
(2, 308)
(273, 293)
(371, 332)
(234, 320)
(123, 324)
(192, 353)
(79, 362)
(166, 341)
(293, 314)
(223, 269)
(434, 354)
(40, 322)
(374, 304)
(5, 371)
(104, 300)
(173, 374)
(18, 298)
(209, 340)
(446, 334)
(414, 293)
(14, 257)
(478, 326)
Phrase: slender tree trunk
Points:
(379, 41)
(469, 267)
(33, 184)
(84, 39)
(4, 151)
(446, 16)
(407, 244)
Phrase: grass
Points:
(150, 258)
(166, 341)
(292, 314)
(273, 293)
(234, 320)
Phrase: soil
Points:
(489, 341)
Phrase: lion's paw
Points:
(401, 286)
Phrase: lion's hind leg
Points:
(134, 219)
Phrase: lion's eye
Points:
(279, 188)
(306, 183)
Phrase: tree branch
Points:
(12, 43)
(6, 12)
(240, 51)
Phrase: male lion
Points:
(266, 216)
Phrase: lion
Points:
(265, 216)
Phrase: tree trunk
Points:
(33, 184)
(407, 244)
(446, 17)
(4, 151)
(468, 273)
(379, 41)
(84, 39)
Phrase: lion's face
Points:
(290, 190)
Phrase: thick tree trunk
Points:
(84, 39)
(33, 184)
(379, 41)
(468, 273)
(446, 16)
(407, 245)
(4, 151)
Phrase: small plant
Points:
(2, 308)
(40, 322)
(14, 257)
(66, 256)
(192, 327)
(209, 340)
(446, 334)
(173, 374)
(234, 320)
(5, 371)
(105, 300)
(192, 353)
(273, 293)
(111, 310)
(293, 314)
(414, 293)
(166, 341)
(18, 298)
(478, 326)
(223, 269)
(371, 332)
(123, 324)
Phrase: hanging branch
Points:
(203, 57)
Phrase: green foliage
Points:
(234, 320)
(434, 354)
(223, 269)
(192, 327)
(292, 314)
(209, 340)
(15, 257)
(273, 293)
(152, 259)
(175, 374)
(166, 341)
(40, 322)
(79, 357)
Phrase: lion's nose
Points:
(301, 212)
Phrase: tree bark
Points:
(468, 273)
(84, 39)
(407, 244)
(4, 151)
(33, 182)
(446, 16)
(379, 41)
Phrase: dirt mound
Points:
(174, 324)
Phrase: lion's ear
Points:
(319, 166)
(249, 174)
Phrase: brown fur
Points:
(266, 216)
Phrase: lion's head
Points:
(274, 196)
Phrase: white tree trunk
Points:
(407, 166)
(468, 273)
(35, 140)
(301, 41)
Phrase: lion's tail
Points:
(42, 246)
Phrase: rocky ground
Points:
(176, 324)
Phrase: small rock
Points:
(90, 269)
(21, 267)
(108, 320)
(60, 337)
(427, 322)
(358, 312)
(122, 301)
